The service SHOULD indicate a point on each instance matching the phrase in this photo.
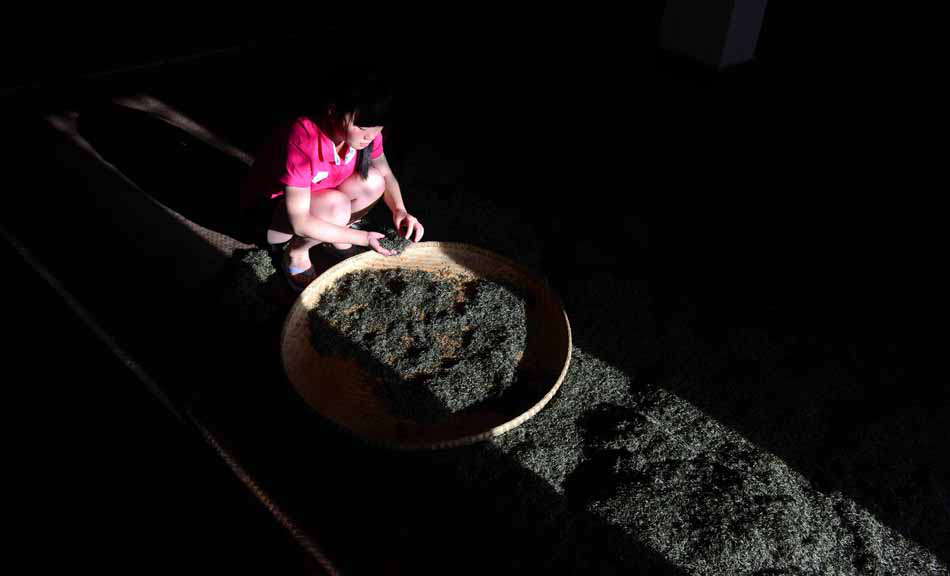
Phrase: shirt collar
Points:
(327, 147)
(350, 152)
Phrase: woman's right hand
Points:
(374, 238)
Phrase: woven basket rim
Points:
(494, 431)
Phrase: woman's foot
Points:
(298, 282)
(298, 257)
(297, 268)
(342, 246)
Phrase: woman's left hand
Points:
(407, 224)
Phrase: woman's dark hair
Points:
(367, 98)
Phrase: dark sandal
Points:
(299, 281)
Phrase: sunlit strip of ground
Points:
(691, 489)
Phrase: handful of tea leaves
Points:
(393, 241)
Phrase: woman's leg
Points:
(363, 194)
(328, 205)
(352, 201)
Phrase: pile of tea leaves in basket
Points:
(438, 343)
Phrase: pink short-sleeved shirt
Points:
(312, 159)
(302, 157)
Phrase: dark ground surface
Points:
(755, 284)
(106, 477)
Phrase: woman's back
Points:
(264, 175)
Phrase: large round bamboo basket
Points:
(343, 392)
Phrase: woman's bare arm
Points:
(306, 225)
(392, 195)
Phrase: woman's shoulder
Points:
(306, 124)
(301, 131)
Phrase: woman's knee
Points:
(371, 188)
(330, 206)
(375, 183)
